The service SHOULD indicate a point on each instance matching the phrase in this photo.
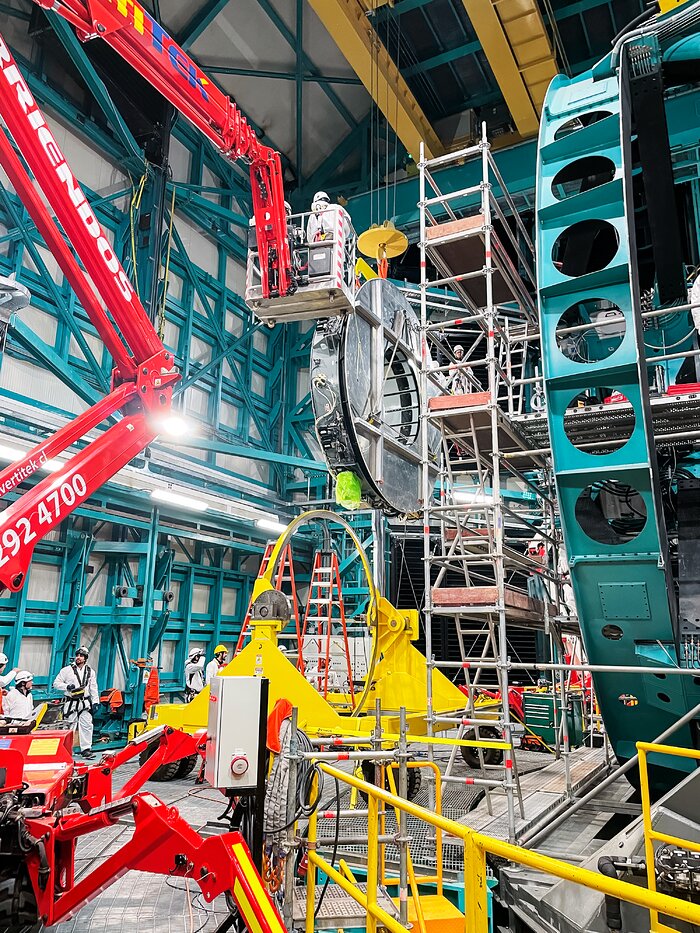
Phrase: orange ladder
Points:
(325, 594)
(285, 574)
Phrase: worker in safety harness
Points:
(78, 683)
(19, 703)
(6, 679)
(194, 674)
(321, 223)
(217, 663)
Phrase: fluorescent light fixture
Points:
(174, 426)
(472, 497)
(269, 524)
(181, 498)
(11, 453)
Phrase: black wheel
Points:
(186, 766)
(414, 779)
(166, 772)
(18, 911)
(492, 756)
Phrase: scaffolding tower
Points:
(491, 544)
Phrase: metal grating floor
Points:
(143, 902)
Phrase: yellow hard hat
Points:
(220, 648)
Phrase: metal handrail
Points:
(476, 847)
(650, 834)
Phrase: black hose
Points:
(637, 21)
(336, 840)
(613, 909)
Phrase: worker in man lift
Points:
(194, 674)
(6, 679)
(19, 703)
(321, 223)
(78, 683)
(217, 663)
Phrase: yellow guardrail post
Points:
(409, 862)
(476, 914)
(311, 869)
(372, 859)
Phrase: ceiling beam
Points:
(515, 42)
(199, 22)
(348, 25)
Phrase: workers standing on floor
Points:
(6, 679)
(77, 681)
(217, 663)
(19, 703)
(321, 225)
(194, 674)
(459, 375)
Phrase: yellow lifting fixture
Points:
(382, 242)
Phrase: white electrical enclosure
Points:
(236, 732)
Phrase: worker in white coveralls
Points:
(194, 673)
(218, 663)
(6, 679)
(19, 703)
(321, 223)
(78, 683)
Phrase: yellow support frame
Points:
(650, 834)
(347, 23)
(515, 42)
(476, 846)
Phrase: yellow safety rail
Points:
(650, 834)
(476, 847)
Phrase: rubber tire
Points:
(166, 772)
(17, 892)
(492, 756)
(187, 766)
(415, 779)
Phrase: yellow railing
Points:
(650, 834)
(476, 847)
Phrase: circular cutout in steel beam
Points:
(584, 247)
(582, 175)
(591, 330)
(599, 420)
(365, 378)
(611, 512)
(580, 123)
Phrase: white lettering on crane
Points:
(14, 78)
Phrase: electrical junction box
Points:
(236, 733)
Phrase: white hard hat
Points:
(3, 659)
(194, 653)
(288, 208)
(82, 650)
(22, 677)
(320, 198)
(459, 347)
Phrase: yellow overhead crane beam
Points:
(347, 23)
(515, 42)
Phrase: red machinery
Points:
(48, 802)
(144, 374)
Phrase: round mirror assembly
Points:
(365, 391)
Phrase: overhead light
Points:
(11, 453)
(182, 499)
(472, 497)
(52, 465)
(269, 524)
(174, 426)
